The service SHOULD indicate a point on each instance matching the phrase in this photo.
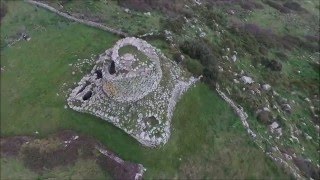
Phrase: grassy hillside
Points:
(12, 168)
(207, 138)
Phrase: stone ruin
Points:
(135, 87)
(131, 72)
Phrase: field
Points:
(12, 168)
(207, 139)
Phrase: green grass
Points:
(194, 66)
(206, 134)
(292, 23)
(114, 16)
(134, 51)
(12, 169)
(82, 169)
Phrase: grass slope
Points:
(12, 168)
(207, 138)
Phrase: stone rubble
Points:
(140, 104)
(246, 80)
(266, 87)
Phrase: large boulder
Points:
(286, 108)
(247, 80)
(266, 87)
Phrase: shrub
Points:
(263, 50)
(63, 2)
(265, 117)
(210, 16)
(210, 76)
(3, 10)
(293, 6)
(289, 41)
(194, 67)
(173, 24)
(250, 5)
(166, 6)
(228, 43)
(281, 55)
(275, 65)
(277, 6)
(201, 51)
(198, 50)
(250, 37)
(312, 38)
(39, 154)
(177, 57)
(307, 168)
(265, 36)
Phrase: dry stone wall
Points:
(86, 22)
(142, 80)
(146, 112)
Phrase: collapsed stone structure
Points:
(135, 87)
(130, 70)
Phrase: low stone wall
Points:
(86, 22)
(130, 89)
(132, 116)
(239, 111)
(276, 155)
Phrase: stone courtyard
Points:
(136, 88)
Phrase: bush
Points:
(198, 50)
(264, 36)
(275, 65)
(64, 2)
(3, 10)
(271, 64)
(166, 6)
(201, 51)
(210, 16)
(277, 6)
(265, 117)
(250, 5)
(35, 154)
(194, 67)
(177, 57)
(289, 42)
(210, 76)
(173, 24)
(253, 39)
(293, 6)
(263, 50)
(281, 55)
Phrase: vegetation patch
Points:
(65, 150)
(204, 128)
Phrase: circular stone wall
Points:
(134, 77)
